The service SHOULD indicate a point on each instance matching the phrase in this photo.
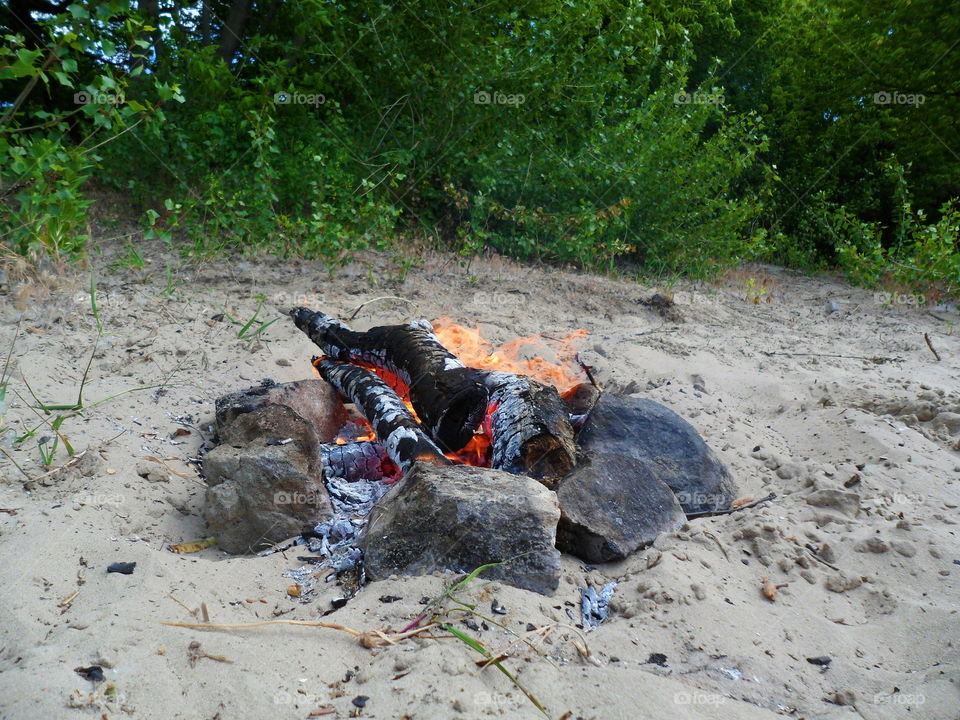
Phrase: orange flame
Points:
(522, 356)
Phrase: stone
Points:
(262, 494)
(458, 518)
(847, 503)
(314, 400)
(612, 505)
(675, 452)
(872, 544)
(907, 549)
(840, 582)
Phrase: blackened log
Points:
(367, 460)
(530, 427)
(449, 399)
(400, 434)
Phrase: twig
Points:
(817, 557)
(730, 511)
(16, 465)
(930, 345)
(369, 639)
(878, 359)
(587, 368)
(385, 297)
(717, 541)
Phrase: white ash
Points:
(594, 605)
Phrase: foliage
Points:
(71, 101)
(924, 257)
(677, 137)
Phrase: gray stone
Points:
(840, 582)
(314, 400)
(612, 505)
(675, 452)
(847, 503)
(460, 517)
(261, 494)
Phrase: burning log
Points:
(366, 460)
(448, 397)
(400, 434)
(530, 427)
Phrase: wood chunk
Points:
(530, 426)
(448, 398)
(366, 460)
(400, 434)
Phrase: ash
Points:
(335, 539)
(594, 605)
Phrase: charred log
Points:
(448, 397)
(366, 460)
(530, 427)
(400, 434)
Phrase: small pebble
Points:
(94, 673)
(121, 567)
(360, 701)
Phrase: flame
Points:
(515, 356)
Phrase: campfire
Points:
(457, 454)
(463, 400)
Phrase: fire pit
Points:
(455, 456)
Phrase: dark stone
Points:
(94, 673)
(612, 505)
(124, 568)
(260, 495)
(675, 452)
(460, 517)
(313, 400)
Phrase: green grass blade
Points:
(250, 322)
(93, 304)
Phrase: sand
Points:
(806, 387)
